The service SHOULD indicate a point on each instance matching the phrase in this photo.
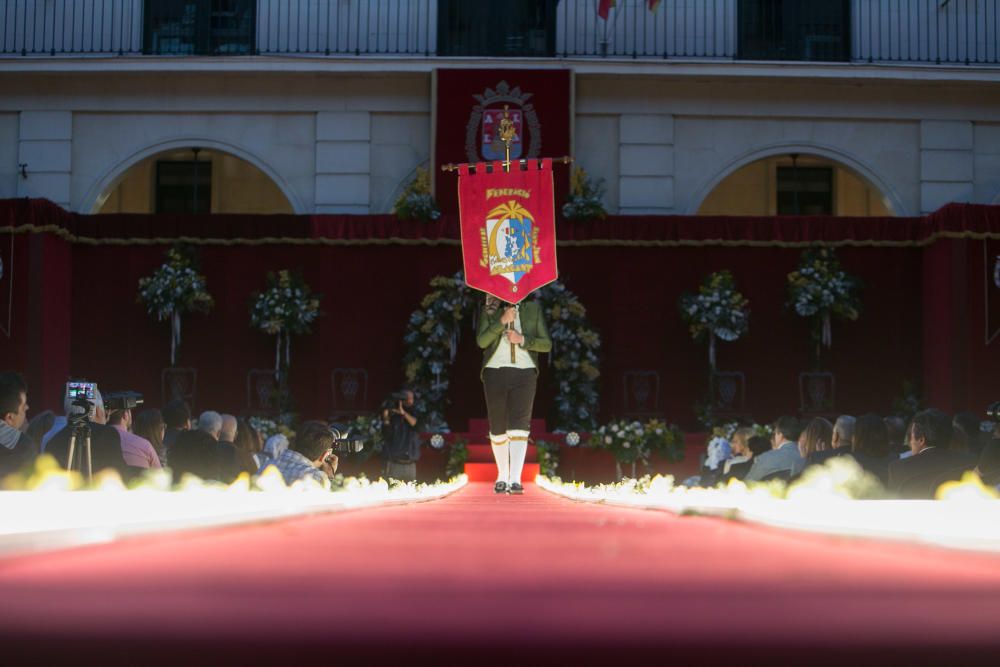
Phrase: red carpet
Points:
(478, 579)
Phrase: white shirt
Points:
(501, 357)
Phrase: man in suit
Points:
(932, 463)
(784, 456)
(16, 449)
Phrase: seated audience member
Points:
(257, 441)
(228, 432)
(105, 442)
(272, 450)
(195, 452)
(870, 447)
(840, 441)
(966, 435)
(898, 444)
(211, 422)
(39, 425)
(16, 448)
(149, 424)
(177, 417)
(988, 466)
(136, 450)
(310, 455)
(247, 444)
(740, 451)
(932, 463)
(815, 439)
(784, 456)
(718, 452)
(756, 445)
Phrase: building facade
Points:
(754, 107)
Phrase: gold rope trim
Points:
(66, 235)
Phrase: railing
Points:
(965, 32)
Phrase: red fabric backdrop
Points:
(75, 307)
(546, 97)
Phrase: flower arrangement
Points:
(586, 198)
(820, 289)
(575, 358)
(284, 308)
(458, 453)
(172, 290)
(716, 311)
(433, 333)
(416, 201)
(632, 441)
(431, 341)
(268, 427)
(548, 457)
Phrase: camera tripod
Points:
(81, 431)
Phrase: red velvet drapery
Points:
(74, 308)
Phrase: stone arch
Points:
(819, 150)
(115, 173)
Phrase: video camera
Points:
(394, 399)
(82, 395)
(122, 400)
(343, 443)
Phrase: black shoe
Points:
(516, 489)
(501, 487)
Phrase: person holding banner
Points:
(511, 337)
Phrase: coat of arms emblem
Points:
(482, 142)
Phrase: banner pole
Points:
(507, 135)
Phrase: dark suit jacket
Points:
(105, 448)
(819, 458)
(25, 451)
(739, 470)
(920, 475)
(200, 454)
(877, 467)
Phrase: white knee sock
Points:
(518, 450)
(501, 452)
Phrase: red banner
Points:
(508, 228)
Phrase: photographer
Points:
(137, 451)
(401, 438)
(311, 455)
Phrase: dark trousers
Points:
(510, 394)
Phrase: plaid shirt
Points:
(294, 466)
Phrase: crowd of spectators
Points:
(911, 460)
(215, 447)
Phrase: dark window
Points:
(500, 28)
(183, 187)
(199, 27)
(794, 30)
(805, 191)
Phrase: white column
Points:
(343, 162)
(646, 164)
(45, 147)
(947, 163)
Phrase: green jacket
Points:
(489, 333)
